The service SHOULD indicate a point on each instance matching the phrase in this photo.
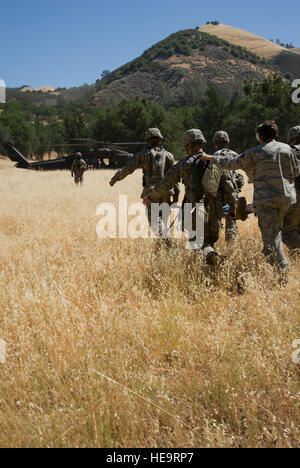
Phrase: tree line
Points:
(37, 131)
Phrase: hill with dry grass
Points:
(286, 60)
(179, 69)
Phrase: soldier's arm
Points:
(171, 179)
(296, 161)
(134, 164)
(243, 161)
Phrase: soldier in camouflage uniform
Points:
(78, 168)
(291, 223)
(273, 167)
(155, 162)
(230, 186)
(191, 171)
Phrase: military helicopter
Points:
(107, 156)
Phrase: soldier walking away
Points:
(78, 168)
(291, 223)
(191, 170)
(230, 186)
(273, 168)
(155, 162)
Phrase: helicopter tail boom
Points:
(15, 156)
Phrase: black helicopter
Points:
(110, 156)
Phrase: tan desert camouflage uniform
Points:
(273, 168)
(228, 193)
(190, 172)
(77, 170)
(155, 163)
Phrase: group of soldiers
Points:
(273, 167)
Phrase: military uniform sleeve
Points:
(296, 161)
(243, 161)
(171, 179)
(134, 164)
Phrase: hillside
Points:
(179, 69)
(50, 98)
(43, 89)
(287, 60)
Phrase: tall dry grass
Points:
(152, 319)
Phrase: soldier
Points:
(155, 162)
(191, 171)
(230, 187)
(273, 167)
(291, 223)
(78, 168)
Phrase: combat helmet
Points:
(78, 155)
(221, 136)
(294, 133)
(193, 136)
(153, 133)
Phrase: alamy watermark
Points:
(2, 352)
(2, 92)
(296, 353)
(296, 93)
(137, 221)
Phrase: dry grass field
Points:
(256, 44)
(216, 360)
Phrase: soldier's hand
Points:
(206, 157)
(232, 215)
(112, 182)
(147, 201)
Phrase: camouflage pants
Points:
(158, 222)
(215, 224)
(270, 221)
(78, 177)
(211, 231)
(154, 223)
(231, 230)
(291, 227)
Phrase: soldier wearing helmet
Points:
(273, 167)
(291, 223)
(78, 168)
(229, 189)
(201, 184)
(155, 162)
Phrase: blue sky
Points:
(69, 42)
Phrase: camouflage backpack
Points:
(197, 174)
(211, 180)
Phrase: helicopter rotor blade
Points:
(60, 146)
(89, 140)
(108, 143)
